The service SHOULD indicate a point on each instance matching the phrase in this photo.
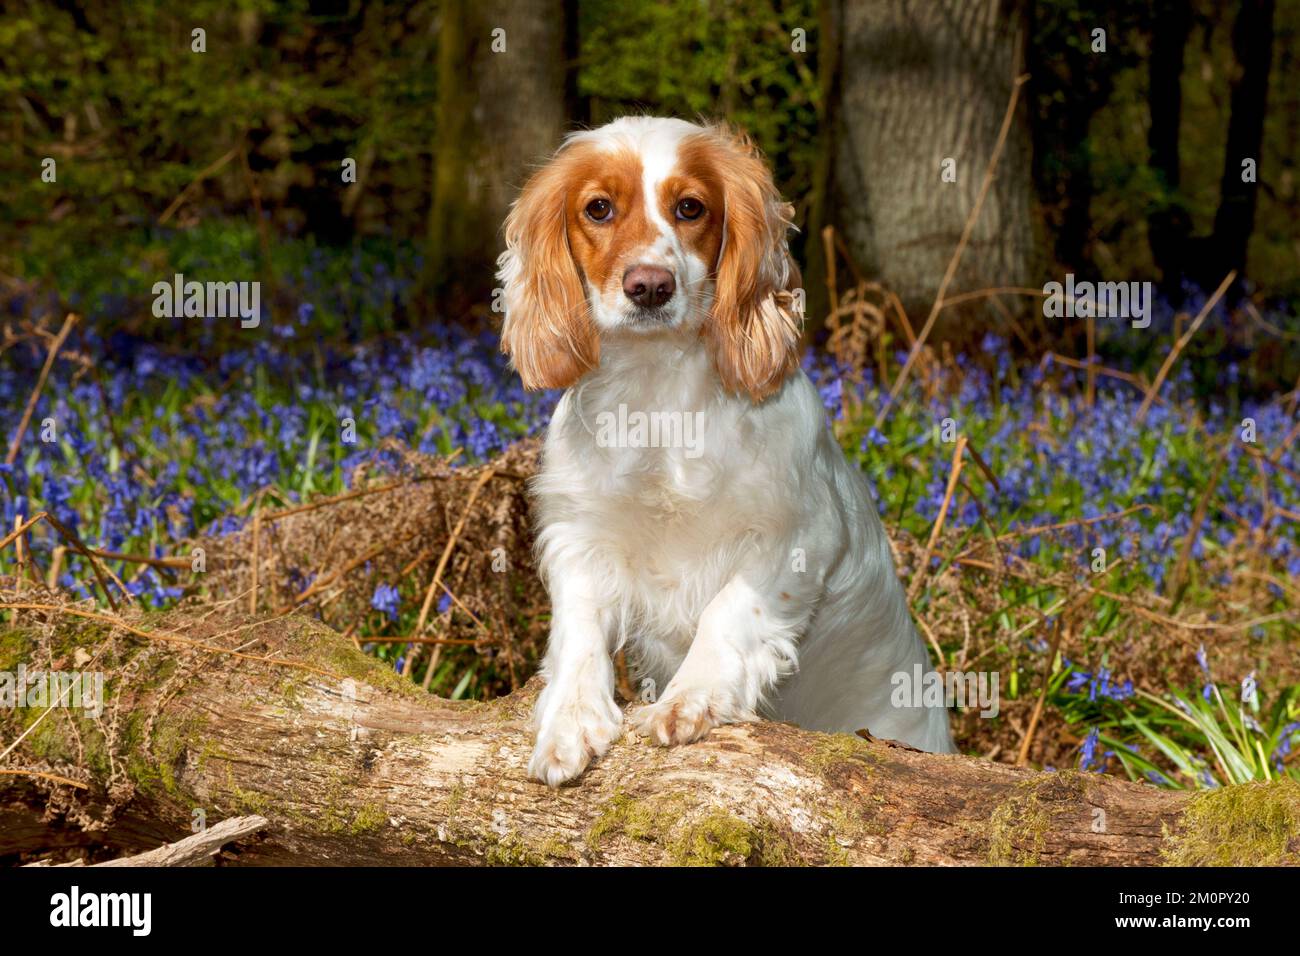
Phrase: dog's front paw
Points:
(677, 718)
(570, 735)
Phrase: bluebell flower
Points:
(832, 393)
(387, 599)
(1287, 739)
(1089, 759)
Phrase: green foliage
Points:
(710, 59)
(346, 299)
(1109, 92)
(115, 94)
(1200, 741)
(133, 115)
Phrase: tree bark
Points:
(1169, 225)
(923, 82)
(830, 17)
(502, 91)
(350, 764)
(1070, 82)
(1252, 46)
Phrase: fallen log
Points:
(350, 764)
(199, 849)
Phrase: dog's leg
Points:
(575, 718)
(745, 643)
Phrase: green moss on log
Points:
(833, 751)
(1250, 824)
(14, 647)
(1018, 827)
(713, 837)
(513, 850)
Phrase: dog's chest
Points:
(671, 491)
(666, 496)
(667, 504)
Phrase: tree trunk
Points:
(923, 82)
(1070, 82)
(830, 16)
(1169, 225)
(1252, 46)
(349, 764)
(502, 91)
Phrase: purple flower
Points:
(832, 394)
(1100, 685)
(873, 439)
(1088, 757)
(387, 599)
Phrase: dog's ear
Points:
(754, 326)
(548, 331)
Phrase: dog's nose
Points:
(649, 286)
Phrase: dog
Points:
(743, 566)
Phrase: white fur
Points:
(752, 579)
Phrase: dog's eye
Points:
(689, 209)
(600, 210)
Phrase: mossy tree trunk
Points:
(351, 764)
(503, 91)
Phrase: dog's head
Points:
(649, 227)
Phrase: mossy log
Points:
(352, 765)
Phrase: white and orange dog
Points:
(721, 537)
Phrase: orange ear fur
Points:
(548, 331)
(754, 325)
